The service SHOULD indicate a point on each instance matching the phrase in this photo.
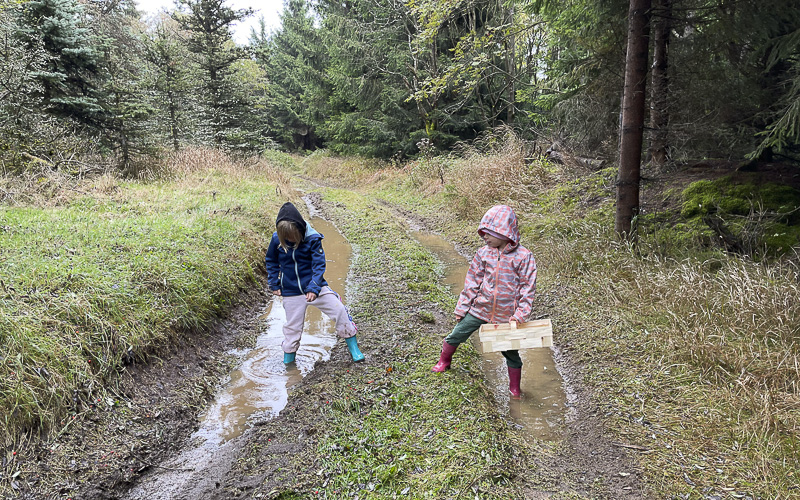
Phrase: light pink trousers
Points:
(328, 303)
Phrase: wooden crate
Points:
(504, 337)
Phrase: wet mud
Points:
(257, 390)
(541, 410)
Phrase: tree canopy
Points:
(377, 77)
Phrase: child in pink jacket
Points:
(499, 288)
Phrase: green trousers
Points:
(467, 327)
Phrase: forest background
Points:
(89, 85)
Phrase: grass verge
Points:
(694, 359)
(109, 271)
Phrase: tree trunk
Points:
(173, 123)
(633, 102)
(511, 62)
(659, 92)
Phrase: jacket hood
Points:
(502, 220)
(311, 233)
(290, 213)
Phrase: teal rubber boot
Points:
(352, 346)
(288, 357)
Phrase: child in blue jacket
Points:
(295, 268)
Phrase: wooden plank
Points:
(505, 337)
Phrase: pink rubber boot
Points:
(514, 376)
(444, 359)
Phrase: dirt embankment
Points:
(312, 448)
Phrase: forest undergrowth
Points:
(692, 354)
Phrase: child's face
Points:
(493, 241)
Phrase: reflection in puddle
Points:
(258, 389)
(542, 407)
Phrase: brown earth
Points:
(148, 416)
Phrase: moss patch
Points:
(760, 218)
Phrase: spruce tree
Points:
(294, 60)
(171, 78)
(209, 24)
(69, 84)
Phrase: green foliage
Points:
(225, 105)
(375, 78)
(72, 75)
(295, 59)
(170, 75)
(784, 130)
(582, 64)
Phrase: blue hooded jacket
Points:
(300, 269)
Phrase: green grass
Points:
(399, 429)
(695, 352)
(101, 280)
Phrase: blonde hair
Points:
(287, 231)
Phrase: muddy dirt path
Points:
(257, 390)
(180, 431)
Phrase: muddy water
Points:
(542, 408)
(257, 390)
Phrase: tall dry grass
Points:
(708, 355)
(183, 165)
(496, 171)
(42, 185)
(343, 171)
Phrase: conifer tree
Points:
(70, 81)
(294, 59)
(18, 86)
(170, 77)
(209, 24)
(124, 95)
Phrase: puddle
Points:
(542, 409)
(259, 388)
(255, 391)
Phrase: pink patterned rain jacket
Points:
(501, 282)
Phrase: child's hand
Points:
(276, 292)
(311, 297)
(459, 318)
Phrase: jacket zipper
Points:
(296, 272)
(494, 293)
